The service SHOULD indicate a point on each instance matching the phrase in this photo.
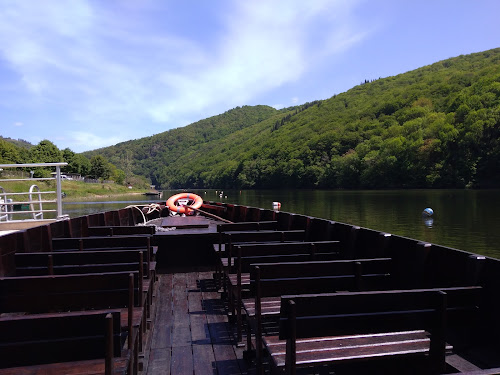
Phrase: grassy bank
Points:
(71, 189)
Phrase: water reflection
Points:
(428, 221)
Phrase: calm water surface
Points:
(463, 219)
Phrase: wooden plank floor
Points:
(190, 333)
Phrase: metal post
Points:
(59, 192)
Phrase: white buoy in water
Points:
(428, 212)
(276, 206)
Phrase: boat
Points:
(154, 193)
(403, 306)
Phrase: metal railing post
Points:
(59, 192)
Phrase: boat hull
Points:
(185, 245)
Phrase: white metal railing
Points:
(4, 208)
(34, 194)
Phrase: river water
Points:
(463, 219)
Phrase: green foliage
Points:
(10, 153)
(100, 168)
(437, 126)
(45, 152)
(77, 163)
(19, 143)
(153, 157)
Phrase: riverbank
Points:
(73, 189)
(92, 197)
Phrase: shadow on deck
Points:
(191, 333)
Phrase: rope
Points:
(152, 207)
(209, 214)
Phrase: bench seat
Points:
(275, 279)
(88, 367)
(372, 329)
(323, 350)
(85, 342)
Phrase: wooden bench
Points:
(269, 281)
(378, 328)
(244, 254)
(490, 371)
(67, 262)
(62, 293)
(101, 261)
(110, 243)
(87, 342)
(120, 230)
(247, 225)
(229, 239)
(238, 271)
(105, 242)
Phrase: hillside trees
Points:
(434, 127)
(77, 163)
(46, 152)
(100, 168)
(10, 153)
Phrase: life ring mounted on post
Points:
(184, 202)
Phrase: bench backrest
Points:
(285, 248)
(318, 315)
(66, 262)
(106, 243)
(121, 230)
(250, 253)
(275, 279)
(247, 225)
(36, 294)
(82, 243)
(231, 238)
(50, 338)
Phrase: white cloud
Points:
(18, 124)
(94, 66)
(90, 141)
(266, 45)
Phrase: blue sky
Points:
(91, 73)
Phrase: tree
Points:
(9, 153)
(77, 163)
(45, 152)
(81, 165)
(119, 176)
(99, 168)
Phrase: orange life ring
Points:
(196, 202)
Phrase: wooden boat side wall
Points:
(490, 322)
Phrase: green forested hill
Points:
(437, 126)
(151, 155)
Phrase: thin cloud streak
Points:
(119, 79)
(266, 46)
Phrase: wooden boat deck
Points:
(190, 333)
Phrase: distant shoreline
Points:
(91, 196)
